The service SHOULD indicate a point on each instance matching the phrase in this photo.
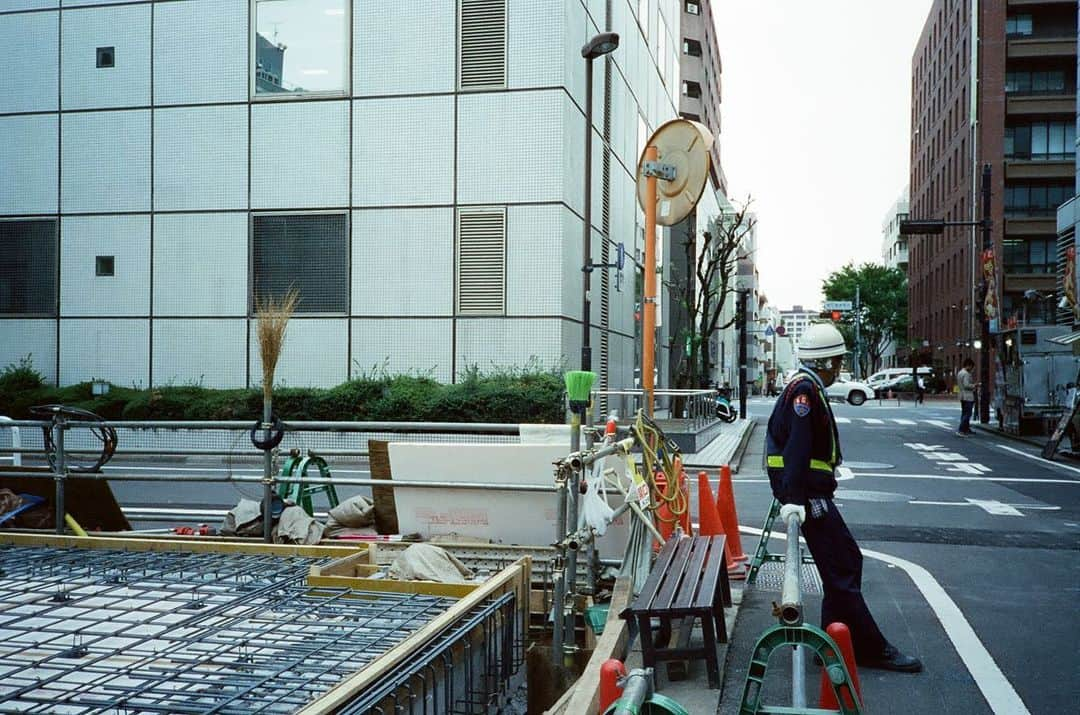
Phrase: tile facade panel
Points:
(300, 154)
(403, 151)
(29, 82)
(535, 265)
(534, 53)
(403, 346)
(17, 5)
(498, 343)
(217, 359)
(200, 158)
(200, 52)
(201, 264)
(83, 3)
(127, 291)
(28, 150)
(126, 29)
(384, 64)
(403, 262)
(106, 161)
(500, 166)
(116, 350)
(315, 354)
(31, 338)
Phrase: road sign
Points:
(837, 305)
(769, 332)
(781, 331)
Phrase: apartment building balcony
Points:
(1017, 104)
(1021, 47)
(1018, 279)
(1033, 3)
(1026, 168)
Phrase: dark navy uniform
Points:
(802, 453)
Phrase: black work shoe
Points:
(893, 659)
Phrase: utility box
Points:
(1038, 375)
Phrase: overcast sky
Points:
(815, 107)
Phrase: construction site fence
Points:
(695, 408)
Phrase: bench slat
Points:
(656, 577)
(714, 567)
(685, 598)
(664, 599)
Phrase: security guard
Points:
(802, 453)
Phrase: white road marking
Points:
(1037, 458)
(967, 468)
(939, 423)
(991, 506)
(995, 687)
(905, 422)
(872, 421)
(949, 478)
(839, 420)
(844, 473)
(972, 502)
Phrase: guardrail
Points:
(696, 408)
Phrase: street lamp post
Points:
(598, 46)
(937, 226)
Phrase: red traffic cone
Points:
(725, 504)
(610, 672)
(710, 524)
(840, 633)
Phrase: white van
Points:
(882, 376)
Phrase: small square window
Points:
(106, 57)
(104, 266)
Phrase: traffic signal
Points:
(836, 315)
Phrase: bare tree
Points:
(712, 258)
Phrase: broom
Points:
(578, 389)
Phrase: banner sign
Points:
(990, 301)
(1070, 277)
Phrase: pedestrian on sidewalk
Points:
(966, 382)
(802, 453)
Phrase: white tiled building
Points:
(164, 162)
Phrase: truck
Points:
(1034, 375)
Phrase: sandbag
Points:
(244, 519)
(427, 562)
(354, 513)
(295, 526)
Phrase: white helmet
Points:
(821, 340)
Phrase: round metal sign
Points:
(683, 145)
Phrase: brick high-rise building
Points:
(992, 82)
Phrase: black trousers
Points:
(839, 562)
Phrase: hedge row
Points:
(505, 397)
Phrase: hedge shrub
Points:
(507, 397)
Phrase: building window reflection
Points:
(300, 47)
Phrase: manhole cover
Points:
(868, 465)
(859, 495)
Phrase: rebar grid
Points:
(88, 631)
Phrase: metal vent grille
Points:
(483, 44)
(481, 262)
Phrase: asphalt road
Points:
(979, 522)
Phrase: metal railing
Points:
(695, 408)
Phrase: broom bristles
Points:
(579, 384)
(273, 315)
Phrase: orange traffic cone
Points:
(710, 524)
(725, 504)
(840, 633)
(610, 672)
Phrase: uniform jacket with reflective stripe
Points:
(802, 452)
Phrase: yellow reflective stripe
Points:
(776, 461)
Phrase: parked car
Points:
(853, 392)
(892, 374)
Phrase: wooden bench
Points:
(688, 582)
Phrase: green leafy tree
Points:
(883, 310)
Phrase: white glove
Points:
(787, 510)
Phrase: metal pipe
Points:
(59, 505)
(313, 426)
(238, 453)
(637, 688)
(586, 269)
(16, 442)
(791, 597)
(798, 677)
(569, 640)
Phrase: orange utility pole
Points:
(648, 324)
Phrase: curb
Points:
(1024, 440)
(740, 449)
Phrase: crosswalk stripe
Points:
(904, 422)
(843, 420)
(872, 421)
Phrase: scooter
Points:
(724, 410)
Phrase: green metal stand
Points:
(762, 554)
(299, 492)
(656, 704)
(810, 637)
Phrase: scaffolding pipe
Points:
(313, 426)
(16, 442)
(791, 596)
(59, 506)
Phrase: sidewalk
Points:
(724, 449)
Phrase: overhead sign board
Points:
(837, 305)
